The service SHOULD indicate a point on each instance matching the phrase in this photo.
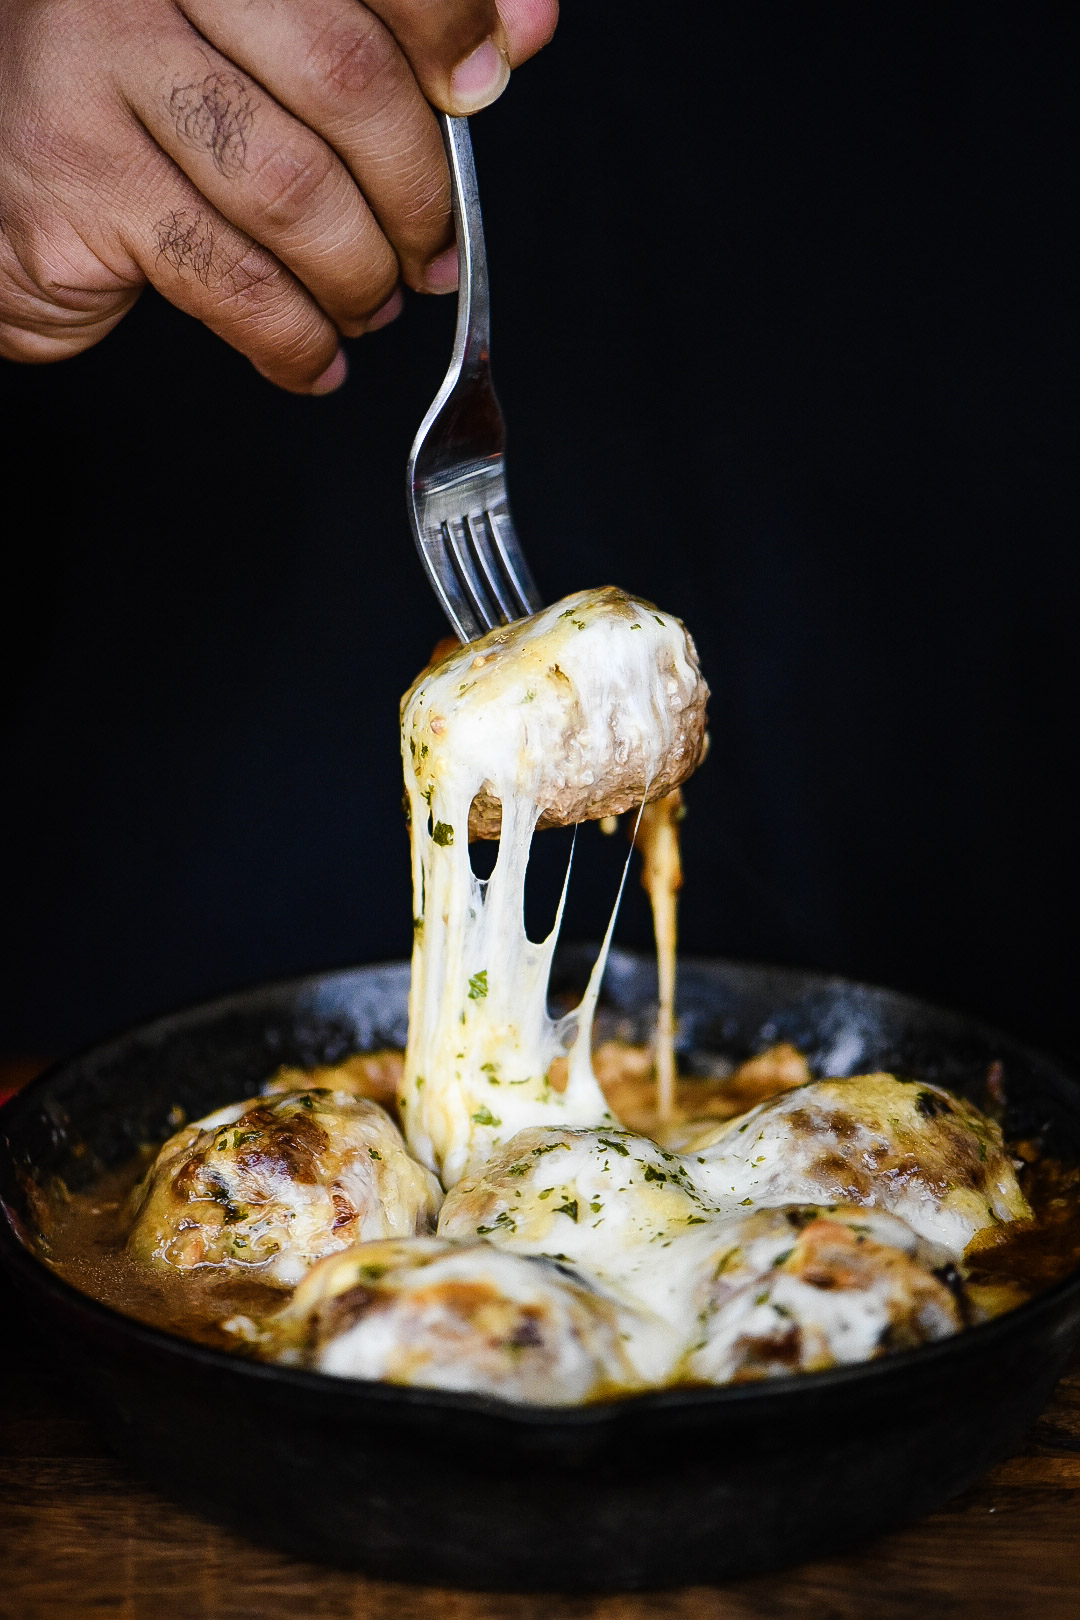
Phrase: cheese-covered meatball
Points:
(590, 705)
(611, 1203)
(904, 1146)
(453, 1316)
(801, 1289)
(277, 1183)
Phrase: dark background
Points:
(786, 335)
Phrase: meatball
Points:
(596, 702)
(614, 1205)
(904, 1146)
(452, 1316)
(800, 1289)
(274, 1184)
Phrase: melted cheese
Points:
(911, 1148)
(574, 1259)
(276, 1183)
(456, 1317)
(657, 838)
(542, 717)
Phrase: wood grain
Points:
(81, 1535)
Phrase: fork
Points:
(457, 499)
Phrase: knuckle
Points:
(249, 283)
(290, 182)
(352, 59)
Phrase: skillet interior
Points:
(675, 1487)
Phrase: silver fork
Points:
(457, 499)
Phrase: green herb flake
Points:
(569, 1208)
(443, 834)
(374, 1153)
(615, 1147)
(478, 985)
(653, 1174)
(484, 1116)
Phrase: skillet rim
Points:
(789, 1388)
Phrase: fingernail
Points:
(333, 376)
(480, 79)
(389, 312)
(441, 275)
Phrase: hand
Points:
(271, 166)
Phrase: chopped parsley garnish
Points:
(616, 1147)
(569, 1208)
(478, 985)
(484, 1116)
(443, 834)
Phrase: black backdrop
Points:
(786, 334)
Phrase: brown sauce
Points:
(83, 1239)
(83, 1234)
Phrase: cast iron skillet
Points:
(671, 1488)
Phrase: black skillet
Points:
(677, 1487)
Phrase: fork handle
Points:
(472, 340)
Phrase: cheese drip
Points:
(657, 837)
(577, 711)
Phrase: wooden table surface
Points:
(81, 1535)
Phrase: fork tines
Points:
(477, 564)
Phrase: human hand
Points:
(273, 167)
